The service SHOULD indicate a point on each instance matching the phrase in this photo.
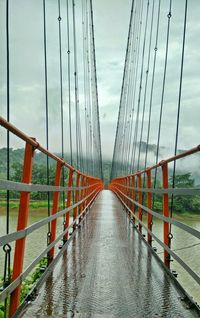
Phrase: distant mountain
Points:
(190, 164)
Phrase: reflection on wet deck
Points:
(108, 271)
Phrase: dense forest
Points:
(180, 203)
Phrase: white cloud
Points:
(111, 20)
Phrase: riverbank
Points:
(36, 207)
(41, 208)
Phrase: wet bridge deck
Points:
(108, 271)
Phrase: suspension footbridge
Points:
(103, 254)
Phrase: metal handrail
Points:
(125, 188)
(86, 189)
(175, 256)
(6, 239)
(15, 283)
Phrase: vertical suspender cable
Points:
(137, 115)
(46, 109)
(114, 159)
(7, 247)
(87, 52)
(135, 85)
(96, 92)
(131, 90)
(84, 26)
(127, 100)
(146, 83)
(76, 85)
(141, 77)
(69, 84)
(8, 108)
(140, 86)
(163, 89)
(179, 105)
(61, 78)
(124, 102)
(181, 80)
(88, 76)
(137, 50)
(61, 94)
(152, 84)
(92, 92)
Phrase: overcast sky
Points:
(111, 18)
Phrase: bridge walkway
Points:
(108, 271)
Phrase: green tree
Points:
(39, 176)
(183, 181)
(185, 203)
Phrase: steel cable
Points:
(46, 109)
(116, 144)
(179, 106)
(69, 84)
(7, 247)
(146, 81)
(152, 84)
(163, 90)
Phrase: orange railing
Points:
(85, 191)
(130, 190)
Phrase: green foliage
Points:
(189, 204)
(185, 203)
(181, 204)
(106, 172)
(31, 280)
(39, 173)
(183, 181)
(158, 204)
(27, 284)
(1, 310)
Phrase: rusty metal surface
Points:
(108, 271)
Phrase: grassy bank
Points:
(186, 216)
(14, 204)
(27, 284)
(42, 206)
(34, 206)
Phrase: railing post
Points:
(126, 189)
(22, 223)
(128, 194)
(93, 189)
(87, 191)
(76, 198)
(149, 206)
(133, 197)
(85, 194)
(81, 197)
(166, 231)
(121, 181)
(140, 200)
(68, 203)
(55, 207)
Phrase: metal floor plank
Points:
(108, 271)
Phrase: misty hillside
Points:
(190, 164)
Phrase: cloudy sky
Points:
(111, 18)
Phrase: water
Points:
(35, 242)
(185, 245)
